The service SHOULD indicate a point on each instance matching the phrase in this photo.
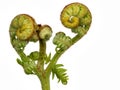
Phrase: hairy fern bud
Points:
(45, 32)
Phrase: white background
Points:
(93, 63)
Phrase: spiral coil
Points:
(62, 41)
(76, 16)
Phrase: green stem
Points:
(54, 60)
(60, 52)
(44, 79)
(45, 82)
(42, 75)
(42, 54)
(76, 38)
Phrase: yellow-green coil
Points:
(75, 15)
(22, 30)
(23, 26)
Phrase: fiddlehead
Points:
(62, 41)
(34, 55)
(45, 32)
(77, 17)
(24, 26)
(22, 29)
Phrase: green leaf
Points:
(60, 73)
(48, 58)
(19, 62)
(28, 66)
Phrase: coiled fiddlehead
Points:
(45, 32)
(22, 28)
(23, 25)
(62, 41)
(77, 17)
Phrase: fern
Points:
(34, 55)
(28, 66)
(60, 73)
(62, 41)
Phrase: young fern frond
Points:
(28, 66)
(34, 55)
(18, 44)
(62, 41)
(76, 17)
(60, 73)
(23, 29)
